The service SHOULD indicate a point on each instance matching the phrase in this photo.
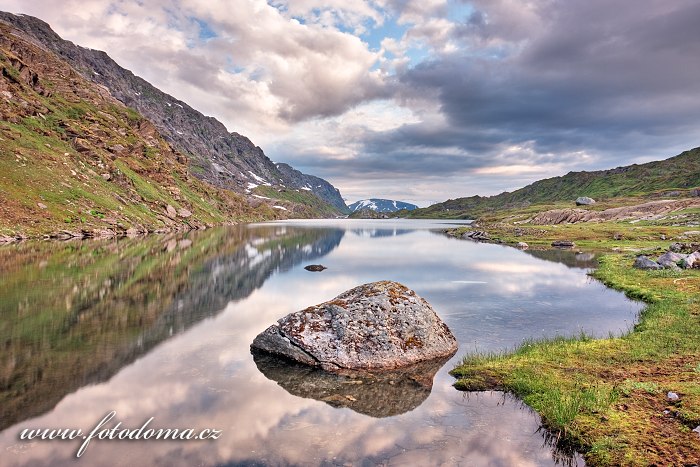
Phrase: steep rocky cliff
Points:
(227, 160)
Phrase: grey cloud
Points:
(591, 80)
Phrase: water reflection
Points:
(158, 328)
(383, 394)
(584, 260)
(110, 302)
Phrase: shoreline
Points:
(628, 400)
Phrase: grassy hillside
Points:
(679, 173)
(73, 158)
(298, 203)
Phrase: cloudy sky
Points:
(418, 100)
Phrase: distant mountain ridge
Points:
(681, 172)
(223, 159)
(313, 184)
(381, 205)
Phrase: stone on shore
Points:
(563, 244)
(691, 261)
(584, 201)
(670, 259)
(642, 262)
(377, 326)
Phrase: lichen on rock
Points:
(375, 326)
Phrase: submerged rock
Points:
(642, 262)
(315, 267)
(376, 326)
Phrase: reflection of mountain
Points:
(378, 395)
(120, 299)
(375, 233)
(567, 258)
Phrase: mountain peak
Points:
(381, 205)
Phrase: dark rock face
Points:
(376, 326)
(642, 262)
(227, 160)
(377, 394)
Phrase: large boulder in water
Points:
(377, 326)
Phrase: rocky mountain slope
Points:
(73, 158)
(227, 160)
(313, 184)
(381, 205)
(674, 177)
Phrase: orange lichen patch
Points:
(412, 343)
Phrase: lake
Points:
(161, 327)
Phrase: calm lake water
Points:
(161, 327)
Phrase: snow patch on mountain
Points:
(381, 205)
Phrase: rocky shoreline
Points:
(103, 234)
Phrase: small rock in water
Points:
(642, 262)
(315, 267)
(523, 245)
(672, 396)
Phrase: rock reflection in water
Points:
(380, 394)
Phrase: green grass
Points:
(607, 396)
(312, 205)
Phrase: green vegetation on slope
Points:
(300, 203)
(680, 173)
